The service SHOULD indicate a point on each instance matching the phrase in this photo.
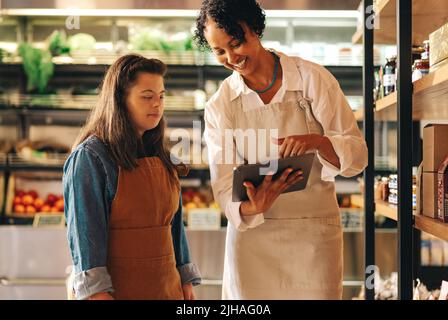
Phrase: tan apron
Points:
(297, 252)
(141, 259)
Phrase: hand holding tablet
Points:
(253, 173)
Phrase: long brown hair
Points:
(110, 121)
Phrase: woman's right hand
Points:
(262, 197)
(101, 296)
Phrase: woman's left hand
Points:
(297, 145)
(187, 288)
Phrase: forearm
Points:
(327, 152)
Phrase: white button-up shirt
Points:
(330, 108)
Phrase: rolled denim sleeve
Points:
(86, 211)
(189, 273)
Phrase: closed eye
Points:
(219, 52)
(235, 45)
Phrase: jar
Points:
(385, 188)
(425, 54)
(417, 52)
(420, 69)
(389, 76)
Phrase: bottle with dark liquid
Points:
(389, 77)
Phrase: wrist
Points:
(246, 209)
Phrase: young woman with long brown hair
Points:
(122, 194)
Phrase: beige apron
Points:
(297, 252)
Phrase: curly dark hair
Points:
(228, 14)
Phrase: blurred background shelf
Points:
(430, 99)
(423, 223)
(428, 16)
(382, 207)
(432, 226)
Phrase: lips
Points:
(240, 65)
(154, 115)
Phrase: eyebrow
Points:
(232, 40)
(163, 91)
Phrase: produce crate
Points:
(34, 193)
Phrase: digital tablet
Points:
(251, 172)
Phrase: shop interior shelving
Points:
(423, 223)
(430, 99)
(186, 71)
(428, 16)
(425, 99)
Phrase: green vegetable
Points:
(148, 39)
(82, 42)
(37, 65)
(57, 43)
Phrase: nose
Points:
(232, 58)
(157, 103)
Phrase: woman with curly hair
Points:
(122, 195)
(279, 246)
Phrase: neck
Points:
(262, 76)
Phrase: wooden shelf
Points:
(386, 209)
(382, 207)
(428, 16)
(357, 200)
(423, 223)
(430, 99)
(432, 226)
(359, 114)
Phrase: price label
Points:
(49, 220)
(204, 219)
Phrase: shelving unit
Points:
(382, 207)
(423, 223)
(425, 99)
(427, 17)
(430, 99)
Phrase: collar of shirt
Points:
(291, 80)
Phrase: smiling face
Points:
(144, 101)
(232, 53)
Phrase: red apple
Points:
(54, 210)
(51, 198)
(45, 208)
(59, 204)
(33, 193)
(30, 209)
(20, 193)
(27, 199)
(38, 203)
(19, 208)
(17, 200)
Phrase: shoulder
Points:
(218, 106)
(314, 74)
(92, 153)
(222, 95)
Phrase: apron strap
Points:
(313, 125)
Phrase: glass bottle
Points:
(389, 77)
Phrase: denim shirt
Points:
(90, 182)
